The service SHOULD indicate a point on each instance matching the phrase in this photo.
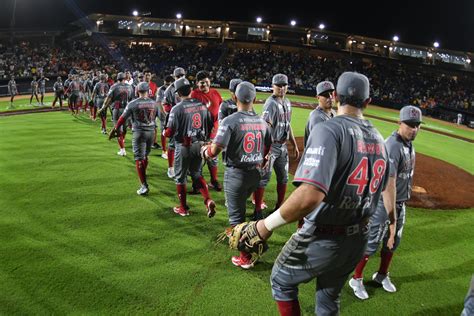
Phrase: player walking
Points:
(386, 225)
(34, 90)
(12, 91)
(58, 89)
(99, 93)
(42, 86)
(212, 99)
(142, 112)
(160, 98)
(277, 114)
(190, 123)
(246, 138)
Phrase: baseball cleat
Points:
(384, 280)
(143, 190)
(242, 262)
(122, 152)
(180, 211)
(216, 185)
(359, 289)
(156, 146)
(211, 208)
(164, 155)
(171, 172)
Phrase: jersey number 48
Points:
(360, 175)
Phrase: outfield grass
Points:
(75, 238)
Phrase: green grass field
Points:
(76, 239)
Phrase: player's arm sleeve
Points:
(394, 158)
(319, 161)
(267, 113)
(223, 134)
(221, 114)
(172, 124)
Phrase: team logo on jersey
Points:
(311, 162)
(316, 151)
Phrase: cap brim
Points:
(329, 90)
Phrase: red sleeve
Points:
(167, 107)
(169, 132)
(120, 122)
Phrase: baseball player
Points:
(277, 114)
(190, 123)
(247, 140)
(229, 106)
(160, 98)
(171, 99)
(119, 95)
(212, 99)
(459, 120)
(34, 90)
(58, 89)
(74, 91)
(88, 88)
(66, 92)
(324, 111)
(340, 178)
(386, 225)
(12, 91)
(42, 86)
(142, 112)
(152, 95)
(99, 93)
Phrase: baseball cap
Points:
(179, 72)
(410, 114)
(143, 86)
(245, 92)
(233, 84)
(181, 82)
(353, 84)
(120, 76)
(280, 79)
(324, 86)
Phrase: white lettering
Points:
(311, 162)
(252, 158)
(316, 150)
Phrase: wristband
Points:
(275, 220)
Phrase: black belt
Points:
(242, 168)
(343, 230)
(280, 142)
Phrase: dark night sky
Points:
(449, 22)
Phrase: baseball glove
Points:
(245, 237)
(113, 133)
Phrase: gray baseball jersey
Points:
(402, 164)
(74, 88)
(244, 136)
(142, 112)
(120, 93)
(226, 108)
(101, 90)
(277, 113)
(316, 116)
(191, 121)
(66, 83)
(171, 98)
(347, 160)
(42, 84)
(58, 87)
(34, 87)
(12, 88)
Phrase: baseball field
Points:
(76, 239)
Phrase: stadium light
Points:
(322, 26)
(259, 19)
(135, 13)
(396, 38)
(293, 22)
(468, 61)
(178, 16)
(435, 44)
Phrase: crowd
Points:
(390, 80)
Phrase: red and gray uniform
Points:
(160, 98)
(120, 94)
(316, 116)
(66, 85)
(277, 113)
(402, 166)
(74, 90)
(190, 124)
(34, 87)
(88, 88)
(100, 91)
(346, 159)
(12, 88)
(170, 100)
(142, 112)
(244, 135)
(58, 88)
